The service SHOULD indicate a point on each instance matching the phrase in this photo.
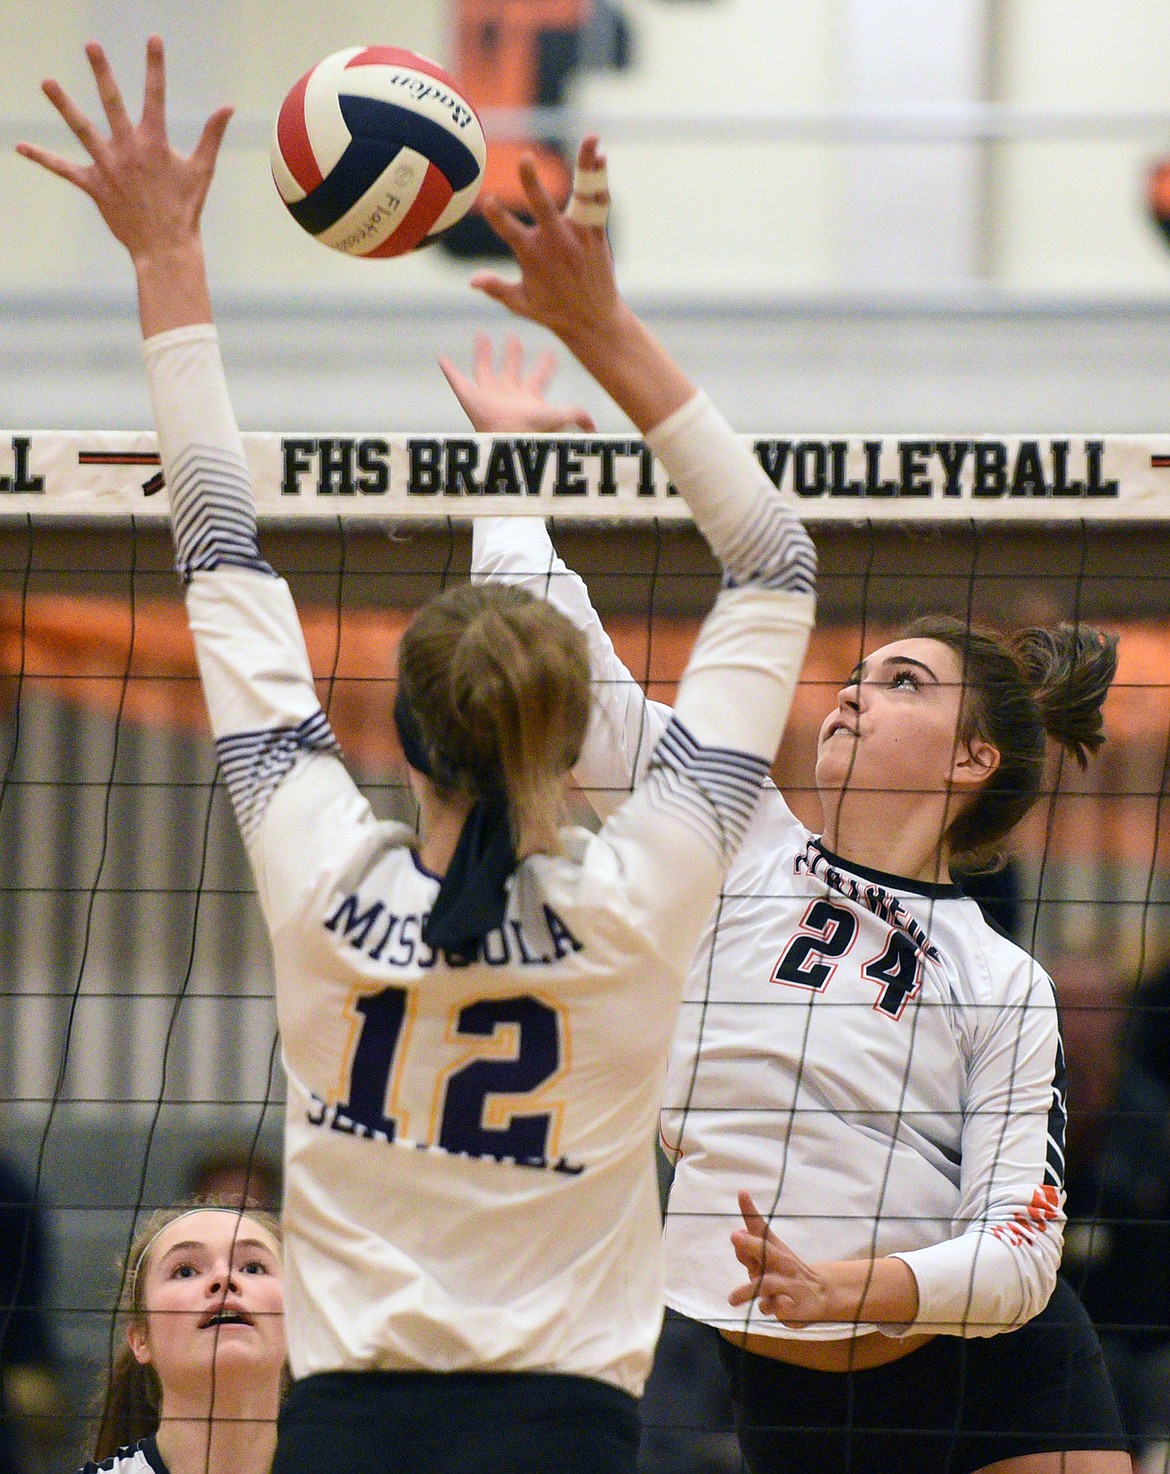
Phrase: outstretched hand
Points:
(567, 281)
(782, 1284)
(150, 196)
(511, 398)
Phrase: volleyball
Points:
(377, 151)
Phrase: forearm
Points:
(881, 1292)
(630, 364)
(172, 288)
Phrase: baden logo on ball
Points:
(377, 151)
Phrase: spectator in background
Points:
(30, 1398)
(237, 1174)
(1118, 1249)
(195, 1381)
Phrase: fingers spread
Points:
(544, 212)
(108, 90)
(541, 373)
(55, 164)
(154, 96)
(78, 124)
(207, 149)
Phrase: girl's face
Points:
(214, 1302)
(895, 727)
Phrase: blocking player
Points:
(475, 1022)
(865, 1102)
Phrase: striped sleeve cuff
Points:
(255, 763)
(212, 512)
(713, 790)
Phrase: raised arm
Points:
(263, 705)
(680, 829)
(624, 727)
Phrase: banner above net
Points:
(1018, 478)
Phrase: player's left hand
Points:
(781, 1284)
(511, 398)
(150, 196)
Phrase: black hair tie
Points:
(473, 895)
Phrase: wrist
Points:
(172, 287)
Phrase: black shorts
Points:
(951, 1407)
(456, 1423)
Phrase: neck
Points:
(882, 832)
(240, 1438)
(440, 823)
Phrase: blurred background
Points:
(846, 216)
(852, 214)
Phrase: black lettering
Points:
(495, 948)
(1094, 450)
(375, 952)
(406, 942)
(607, 452)
(810, 468)
(645, 472)
(374, 465)
(773, 456)
(462, 460)
(297, 456)
(21, 480)
(839, 484)
(1028, 472)
(335, 467)
(533, 456)
(915, 476)
(426, 458)
(350, 919)
(874, 485)
(569, 479)
(500, 478)
(990, 468)
(1061, 485)
(526, 957)
(952, 454)
(563, 940)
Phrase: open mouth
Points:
(217, 1318)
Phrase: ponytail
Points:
(498, 684)
(1017, 691)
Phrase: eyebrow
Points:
(189, 1244)
(858, 671)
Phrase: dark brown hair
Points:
(498, 682)
(130, 1402)
(1017, 690)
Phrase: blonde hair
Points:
(130, 1402)
(498, 684)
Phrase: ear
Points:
(139, 1341)
(974, 764)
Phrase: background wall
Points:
(1002, 275)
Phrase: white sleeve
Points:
(677, 834)
(624, 726)
(265, 715)
(1001, 1268)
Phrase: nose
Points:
(849, 697)
(224, 1282)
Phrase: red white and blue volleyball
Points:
(377, 151)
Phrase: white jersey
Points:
(135, 1458)
(469, 1168)
(874, 1063)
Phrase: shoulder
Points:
(1002, 971)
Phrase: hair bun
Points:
(1069, 670)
